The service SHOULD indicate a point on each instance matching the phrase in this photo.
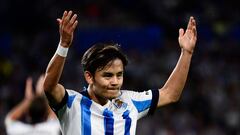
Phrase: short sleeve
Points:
(57, 107)
(145, 102)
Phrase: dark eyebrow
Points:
(110, 73)
(107, 73)
(121, 72)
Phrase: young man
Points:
(40, 118)
(104, 109)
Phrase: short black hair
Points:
(100, 54)
(38, 110)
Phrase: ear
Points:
(88, 77)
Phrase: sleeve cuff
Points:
(155, 98)
(57, 107)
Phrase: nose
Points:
(114, 80)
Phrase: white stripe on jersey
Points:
(82, 116)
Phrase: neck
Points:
(100, 100)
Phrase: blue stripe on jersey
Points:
(128, 122)
(108, 122)
(86, 116)
(70, 101)
(142, 105)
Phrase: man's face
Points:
(108, 81)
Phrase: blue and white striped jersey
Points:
(79, 115)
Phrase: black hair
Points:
(38, 110)
(100, 54)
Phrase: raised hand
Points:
(29, 89)
(187, 40)
(67, 25)
(29, 94)
(39, 86)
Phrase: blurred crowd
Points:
(210, 104)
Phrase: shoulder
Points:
(52, 123)
(71, 92)
(9, 122)
(68, 99)
(132, 93)
(16, 127)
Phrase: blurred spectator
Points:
(39, 118)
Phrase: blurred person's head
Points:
(38, 110)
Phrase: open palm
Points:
(187, 39)
(67, 25)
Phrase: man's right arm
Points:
(54, 91)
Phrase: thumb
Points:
(181, 32)
(59, 21)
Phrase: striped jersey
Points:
(79, 115)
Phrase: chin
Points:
(113, 95)
(110, 98)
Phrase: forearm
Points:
(53, 72)
(20, 110)
(53, 90)
(178, 77)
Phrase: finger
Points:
(74, 25)
(73, 19)
(63, 17)
(66, 19)
(194, 27)
(28, 87)
(189, 27)
(39, 85)
(64, 14)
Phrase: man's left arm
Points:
(21, 109)
(172, 89)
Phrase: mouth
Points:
(113, 89)
(113, 92)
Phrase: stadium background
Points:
(147, 31)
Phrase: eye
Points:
(120, 74)
(107, 75)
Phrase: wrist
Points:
(187, 51)
(61, 50)
(63, 44)
(28, 99)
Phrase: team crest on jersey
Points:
(120, 104)
(146, 92)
